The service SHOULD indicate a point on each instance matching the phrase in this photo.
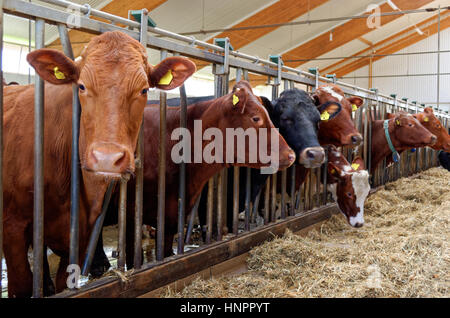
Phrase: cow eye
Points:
(410, 125)
(349, 194)
(144, 91)
(81, 87)
(256, 119)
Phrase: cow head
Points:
(349, 185)
(430, 122)
(113, 77)
(295, 114)
(341, 131)
(246, 114)
(407, 132)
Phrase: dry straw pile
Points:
(402, 251)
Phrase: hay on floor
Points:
(402, 251)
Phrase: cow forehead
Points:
(331, 90)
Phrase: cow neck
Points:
(210, 113)
(380, 146)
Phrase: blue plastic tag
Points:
(413, 150)
(395, 157)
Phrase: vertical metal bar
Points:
(284, 176)
(274, 198)
(236, 179)
(75, 161)
(209, 213)
(293, 190)
(137, 260)
(248, 184)
(325, 178)
(220, 212)
(121, 248)
(182, 184)
(235, 200)
(247, 198)
(192, 219)
(162, 172)
(439, 61)
(97, 230)
(1, 149)
(222, 89)
(38, 216)
(267, 201)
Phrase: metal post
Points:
(236, 179)
(75, 161)
(90, 251)
(248, 185)
(439, 61)
(139, 200)
(162, 172)
(182, 184)
(1, 148)
(121, 248)
(192, 220)
(38, 217)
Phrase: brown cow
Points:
(221, 114)
(349, 185)
(341, 131)
(430, 122)
(405, 131)
(113, 77)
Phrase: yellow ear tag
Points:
(354, 108)
(333, 171)
(235, 100)
(426, 119)
(355, 166)
(58, 74)
(397, 122)
(166, 79)
(325, 116)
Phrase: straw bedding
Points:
(402, 251)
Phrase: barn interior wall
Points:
(417, 88)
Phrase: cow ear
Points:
(170, 73)
(356, 102)
(315, 99)
(329, 111)
(358, 164)
(266, 103)
(390, 115)
(239, 98)
(334, 170)
(53, 66)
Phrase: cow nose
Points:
(357, 139)
(312, 157)
(290, 158)
(359, 224)
(108, 158)
(433, 139)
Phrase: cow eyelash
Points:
(81, 87)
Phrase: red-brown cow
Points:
(341, 131)
(434, 126)
(113, 77)
(223, 113)
(405, 132)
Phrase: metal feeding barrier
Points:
(305, 206)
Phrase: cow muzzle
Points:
(109, 159)
(312, 157)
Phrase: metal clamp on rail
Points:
(226, 45)
(277, 59)
(315, 71)
(332, 77)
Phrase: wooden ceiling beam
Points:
(393, 47)
(345, 33)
